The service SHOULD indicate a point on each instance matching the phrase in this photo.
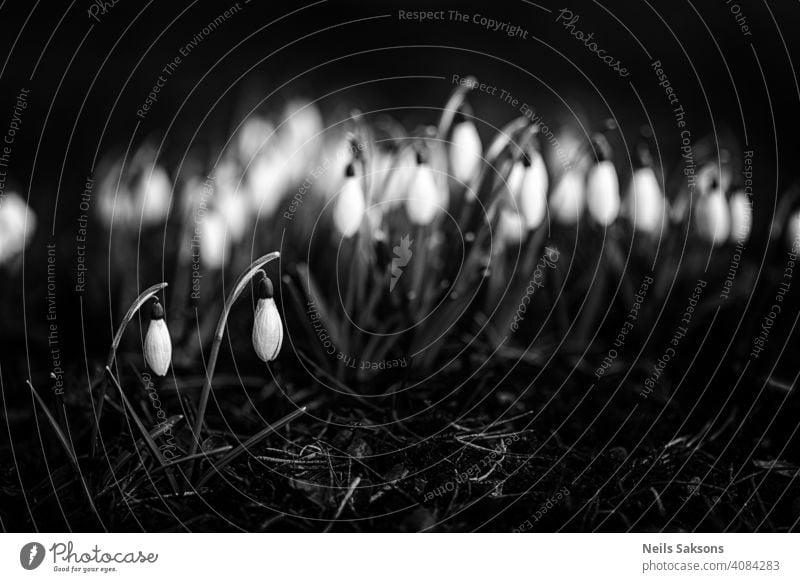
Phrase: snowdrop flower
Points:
(568, 199)
(157, 343)
(152, 194)
(267, 180)
(17, 225)
(533, 191)
(114, 199)
(424, 199)
(303, 124)
(602, 186)
(213, 240)
(793, 232)
(350, 205)
(401, 174)
(267, 326)
(465, 151)
(515, 178)
(252, 137)
(231, 201)
(510, 227)
(712, 215)
(645, 204)
(741, 217)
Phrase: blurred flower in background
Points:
(17, 225)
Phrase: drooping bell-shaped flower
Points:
(645, 204)
(741, 217)
(533, 191)
(152, 194)
(157, 343)
(793, 232)
(253, 137)
(267, 181)
(515, 178)
(300, 137)
(267, 326)
(602, 186)
(350, 205)
(17, 225)
(510, 227)
(568, 199)
(231, 199)
(465, 151)
(213, 240)
(114, 198)
(424, 199)
(712, 216)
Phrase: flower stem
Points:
(453, 105)
(112, 354)
(238, 287)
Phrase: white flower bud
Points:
(267, 326)
(267, 181)
(231, 199)
(401, 172)
(114, 198)
(567, 200)
(17, 225)
(602, 192)
(741, 217)
(465, 151)
(510, 227)
(152, 195)
(514, 180)
(350, 205)
(713, 218)
(213, 240)
(645, 204)
(157, 344)
(302, 126)
(424, 198)
(533, 192)
(793, 232)
(235, 209)
(253, 137)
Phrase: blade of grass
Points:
(127, 455)
(151, 444)
(251, 442)
(334, 380)
(64, 443)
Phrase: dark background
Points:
(91, 77)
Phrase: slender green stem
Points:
(238, 287)
(453, 105)
(112, 354)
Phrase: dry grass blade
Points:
(151, 444)
(252, 441)
(162, 428)
(62, 438)
(348, 495)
